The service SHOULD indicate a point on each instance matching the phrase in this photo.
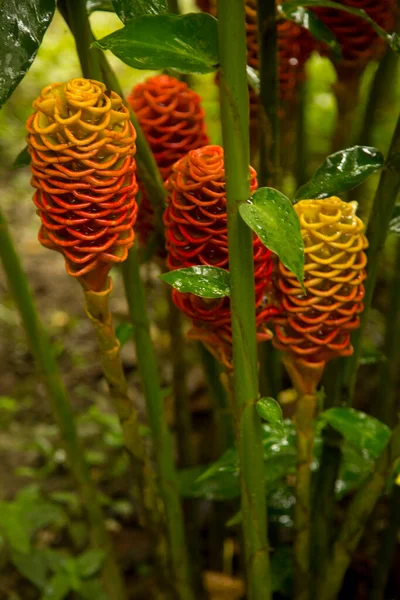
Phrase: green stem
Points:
(356, 518)
(75, 14)
(61, 406)
(183, 417)
(306, 408)
(222, 413)
(163, 446)
(269, 168)
(388, 548)
(382, 209)
(301, 160)
(387, 405)
(235, 128)
(347, 97)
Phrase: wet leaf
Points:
(93, 5)
(361, 430)
(23, 159)
(270, 410)
(207, 282)
(132, 9)
(394, 225)
(188, 43)
(253, 79)
(23, 24)
(390, 38)
(271, 215)
(309, 20)
(342, 171)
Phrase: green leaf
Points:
(271, 215)
(270, 410)
(309, 20)
(23, 159)
(394, 225)
(342, 171)
(132, 9)
(92, 590)
(58, 588)
(14, 529)
(391, 38)
(90, 562)
(104, 5)
(22, 27)
(207, 282)
(188, 43)
(123, 331)
(32, 566)
(253, 79)
(361, 430)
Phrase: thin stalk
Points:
(356, 519)
(162, 440)
(325, 479)
(382, 209)
(235, 129)
(98, 311)
(301, 160)
(269, 167)
(387, 406)
(388, 548)
(306, 409)
(147, 363)
(347, 95)
(43, 353)
(222, 412)
(183, 417)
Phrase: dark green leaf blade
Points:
(23, 24)
(132, 9)
(363, 431)
(23, 159)
(342, 171)
(90, 562)
(393, 39)
(188, 43)
(309, 20)
(271, 215)
(207, 282)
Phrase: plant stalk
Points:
(235, 130)
(382, 209)
(43, 353)
(183, 417)
(222, 413)
(306, 409)
(162, 439)
(356, 518)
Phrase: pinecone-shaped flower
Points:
(314, 328)
(196, 233)
(358, 40)
(82, 146)
(172, 120)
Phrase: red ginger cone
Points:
(172, 120)
(358, 40)
(196, 233)
(82, 145)
(314, 328)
